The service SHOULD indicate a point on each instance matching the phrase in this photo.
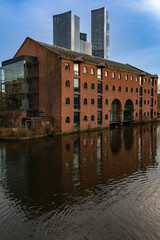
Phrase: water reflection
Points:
(43, 177)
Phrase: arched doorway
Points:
(116, 112)
(128, 111)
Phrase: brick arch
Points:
(128, 110)
(116, 111)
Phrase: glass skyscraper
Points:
(100, 32)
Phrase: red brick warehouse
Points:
(79, 91)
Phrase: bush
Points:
(4, 123)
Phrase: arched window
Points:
(92, 71)
(67, 67)
(67, 120)
(92, 118)
(106, 101)
(92, 101)
(85, 70)
(67, 101)
(119, 89)
(113, 88)
(92, 86)
(106, 74)
(85, 119)
(85, 85)
(106, 87)
(85, 101)
(106, 117)
(126, 89)
(67, 83)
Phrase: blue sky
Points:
(134, 27)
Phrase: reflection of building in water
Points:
(44, 173)
(98, 157)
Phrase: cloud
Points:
(150, 6)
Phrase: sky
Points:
(134, 27)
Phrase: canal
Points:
(93, 186)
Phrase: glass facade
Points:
(19, 86)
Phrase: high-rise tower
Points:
(100, 32)
(66, 31)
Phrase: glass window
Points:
(99, 118)
(67, 67)
(76, 69)
(92, 118)
(136, 102)
(136, 79)
(106, 117)
(76, 119)
(113, 88)
(148, 91)
(113, 75)
(131, 78)
(76, 102)
(126, 89)
(67, 83)
(119, 76)
(144, 101)
(140, 80)
(85, 70)
(76, 85)
(85, 101)
(99, 87)
(99, 73)
(92, 71)
(119, 89)
(148, 101)
(126, 77)
(92, 101)
(106, 73)
(67, 101)
(99, 102)
(144, 90)
(106, 87)
(85, 119)
(106, 101)
(92, 86)
(131, 89)
(67, 120)
(136, 90)
(85, 85)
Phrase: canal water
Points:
(93, 186)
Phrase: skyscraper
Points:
(66, 31)
(100, 32)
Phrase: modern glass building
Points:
(19, 85)
(100, 32)
(66, 31)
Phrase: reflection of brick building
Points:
(82, 91)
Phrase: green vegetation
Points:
(5, 124)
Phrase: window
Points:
(76, 69)
(126, 89)
(155, 102)
(145, 80)
(85, 119)
(76, 119)
(119, 89)
(113, 75)
(140, 80)
(106, 87)
(99, 87)
(76, 85)
(113, 88)
(92, 71)
(67, 83)
(136, 79)
(99, 118)
(147, 113)
(119, 76)
(148, 102)
(144, 90)
(136, 114)
(106, 117)
(67, 120)
(148, 91)
(99, 102)
(92, 101)
(85, 70)
(67, 101)
(136, 102)
(144, 101)
(148, 80)
(131, 78)
(92, 86)
(106, 101)
(85, 85)
(67, 67)
(92, 118)
(99, 73)
(131, 89)
(106, 73)
(76, 101)
(85, 101)
(136, 90)
(126, 77)
(144, 114)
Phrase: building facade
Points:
(100, 32)
(77, 90)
